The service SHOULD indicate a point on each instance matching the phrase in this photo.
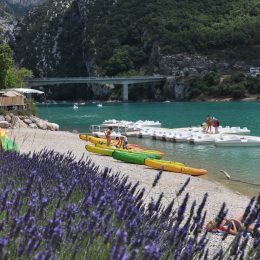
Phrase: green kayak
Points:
(136, 158)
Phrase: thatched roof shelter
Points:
(11, 98)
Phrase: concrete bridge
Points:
(124, 81)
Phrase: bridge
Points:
(124, 81)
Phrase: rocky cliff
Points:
(24, 3)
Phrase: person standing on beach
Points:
(125, 143)
(216, 125)
(209, 123)
(108, 135)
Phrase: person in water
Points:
(108, 135)
(209, 123)
(232, 226)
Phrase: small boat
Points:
(160, 136)
(75, 107)
(136, 150)
(174, 167)
(233, 141)
(99, 105)
(181, 137)
(145, 133)
(203, 139)
(169, 136)
(98, 150)
(135, 158)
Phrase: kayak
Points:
(102, 141)
(173, 167)
(130, 157)
(164, 162)
(83, 137)
(134, 150)
(102, 151)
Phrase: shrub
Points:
(237, 91)
(32, 109)
(3, 112)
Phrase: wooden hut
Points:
(12, 100)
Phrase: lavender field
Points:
(53, 206)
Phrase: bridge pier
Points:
(125, 92)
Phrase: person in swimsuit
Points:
(209, 123)
(232, 226)
(216, 125)
(108, 135)
(119, 143)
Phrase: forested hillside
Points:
(131, 37)
(117, 36)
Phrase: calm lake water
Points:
(242, 164)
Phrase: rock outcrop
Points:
(194, 65)
(13, 121)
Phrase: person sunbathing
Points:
(232, 226)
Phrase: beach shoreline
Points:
(34, 140)
(30, 140)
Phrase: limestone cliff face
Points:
(193, 65)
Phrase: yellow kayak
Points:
(97, 140)
(84, 137)
(173, 167)
(98, 150)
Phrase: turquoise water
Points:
(241, 163)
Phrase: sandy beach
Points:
(35, 140)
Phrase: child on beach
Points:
(121, 142)
(108, 135)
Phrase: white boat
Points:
(160, 136)
(147, 123)
(169, 136)
(233, 141)
(181, 137)
(145, 133)
(233, 130)
(203, 139)
(99, 105)
(75, 107)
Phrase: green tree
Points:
(6, 62)
(120, 62)
(15, 77)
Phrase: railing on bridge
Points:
(125, 81)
